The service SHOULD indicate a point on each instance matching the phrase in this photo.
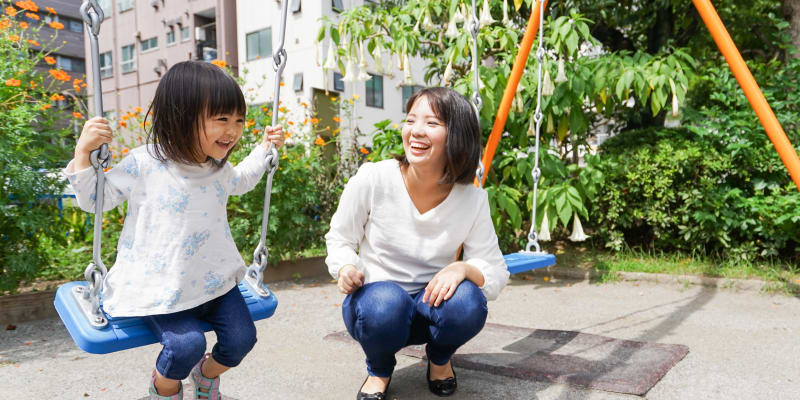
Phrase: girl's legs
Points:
(379, 317)
(184, 344)
(452, 324)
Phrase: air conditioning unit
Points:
(171, 22)
(179, 20)
(154, 3)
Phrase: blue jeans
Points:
(185, 342)
(384, 318)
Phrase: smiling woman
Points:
(395, 237)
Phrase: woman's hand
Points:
(350, 279)
(274, 135)
(444, 284)
(96, 132)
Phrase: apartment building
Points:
(140, 39)
(381, 97)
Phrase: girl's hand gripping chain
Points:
(96, 132)
(274, 135)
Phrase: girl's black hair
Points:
(189, 92)
(463, 142)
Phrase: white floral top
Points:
(175, 251)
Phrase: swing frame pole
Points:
(511, 89)
(750, 87)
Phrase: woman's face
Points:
(424, 136)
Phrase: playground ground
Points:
(742, 344)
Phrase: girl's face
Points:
(424, 136)
(218, 134)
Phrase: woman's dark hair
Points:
(189, 92)
(463, 140)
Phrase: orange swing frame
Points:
(726, 45)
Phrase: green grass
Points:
(781, 276)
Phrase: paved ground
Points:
(743, 345)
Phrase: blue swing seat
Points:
(129, 332)
(524, 261)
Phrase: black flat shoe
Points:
(373, 396)
(442, 387)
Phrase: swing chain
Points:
(533, 236)
(474, 30)
(92, 15)
(255, 273)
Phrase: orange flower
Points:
(304, 104)
(60, 75)
(5, 24)
(335, 131)
(32, 16)
(282, 109)
(77, 115)
(220, 63)
(23, 25)
(50, 60)
(56, 25)
(11, 11)
(125, 151)
(34, 43)
(33, 84)
(50, 10)
(137, 110)
(283, 84)
(123, 124)
(250, 122)
(314, 121)
(13, 82)
(363, 150)
(255, 131)
(56, 97)
(46, 106)
(337, 119)
(291, 123)
(27, 5)
(13, 38)
(287, 134)
(319, 141)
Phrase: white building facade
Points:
(306, 89)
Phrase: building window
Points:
(71, 64)
(295, 6)
(128, 63)
(374, 91)
(170, 36)
(149, 44)
(297, 85)
(125, 5)
(259, 44)
(48, 18)
(408, 91)
(372, 3)
(186, 34)
(338, 83)
(105, 5)
(337, 5)
(106, 66)
(75, 26)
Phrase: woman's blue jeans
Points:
(184, 339)
(384, 318)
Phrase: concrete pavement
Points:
(743, 345)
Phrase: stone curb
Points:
(719, 283)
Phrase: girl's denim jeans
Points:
(184, 339)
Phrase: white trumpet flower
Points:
(550, 126)
(407, 78)
(316, 54)
(378, 57)
(577, 230)
(675, 105)
(363, 76)
(486, 15)
(362, 62)
(350, 72)
(427, 23)
(448, 73)
(547, 84)
(518, 98)
(330, 61)
(506, 20)
(544, 231)
(458, 16)
(452, 28)
(532, 127)
(562, 76)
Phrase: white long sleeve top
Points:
(175, 251)
(378, 229)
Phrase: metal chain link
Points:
(255, 273)
(96, 271)
(533, 237)
(477, 101)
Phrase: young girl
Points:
(394, 239)
(177, 263)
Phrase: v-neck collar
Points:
(411, 201)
